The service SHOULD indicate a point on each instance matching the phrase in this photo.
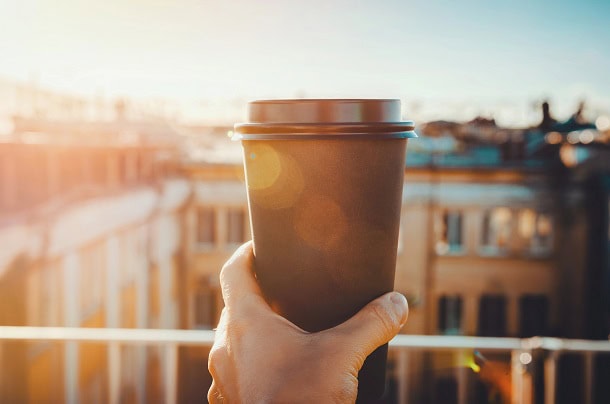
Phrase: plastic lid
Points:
(323, 118)
(323, 111)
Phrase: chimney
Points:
(547, 119)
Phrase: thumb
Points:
(374, 325)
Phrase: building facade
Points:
(128, 235)
(91, 236)
(494, 241)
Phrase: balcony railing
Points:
(521, 353)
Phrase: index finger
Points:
(237, 276)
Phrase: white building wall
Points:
(103, 220)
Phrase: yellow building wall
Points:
(411, 264)
(128, 306)
(92, 364)
(44, 375)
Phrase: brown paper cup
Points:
(324, 181)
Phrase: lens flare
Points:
(275, 179)
(263, 164)
(320, 222)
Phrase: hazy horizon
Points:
(444, 60)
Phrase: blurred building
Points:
(485, 219)
(503, 232)
(91, 235)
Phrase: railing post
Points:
(114, 372)
(462, 381)
(588, 375)
(141, 354)
(170, 352)
(71, 372)
(516, 381)
(550, 377)
(403, 376)
(521, 392)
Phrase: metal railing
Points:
(521, 353)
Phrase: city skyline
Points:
(23, 98)
(450, 61)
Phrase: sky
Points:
(440, 57)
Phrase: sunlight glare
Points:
(274, 179)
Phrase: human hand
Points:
(260, 357)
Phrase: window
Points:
(492, 316)
(496, 231)
(206, 226)
(205, 305)
(236, 219)
(536, 229)
(92, 279)
(450, 233)
(450, 315)
(533, 316)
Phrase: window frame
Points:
(487, 250)
(438, 231)
(457, 301)
(526, 243)
(213, 243)
(243, 211)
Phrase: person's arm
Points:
(260, 357)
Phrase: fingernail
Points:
(401, 305)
